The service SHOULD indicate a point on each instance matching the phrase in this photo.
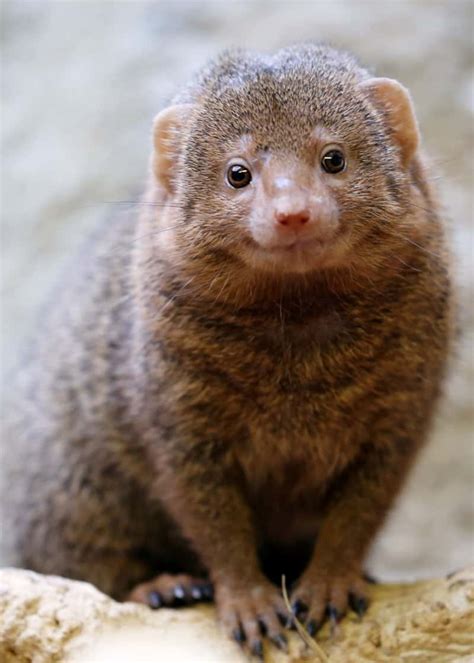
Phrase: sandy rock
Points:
(46, 619)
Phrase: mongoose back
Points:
(237, 379)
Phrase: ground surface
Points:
(81, 82)
(46, 619)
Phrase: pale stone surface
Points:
(47, 619)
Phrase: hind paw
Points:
(172, 591)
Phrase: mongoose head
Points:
(288, 163)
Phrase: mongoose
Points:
(236, 380)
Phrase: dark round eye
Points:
(333, 161)
(239, 176)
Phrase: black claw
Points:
(298, 608)
(257, 649)
(196, 593)
(179, 594)
(358, 604)
(238, 635)
(263, 626)
(280, 641)
(283, 618)
(370, 579)
(312, 628)
(155, 600)
(207, 592)
(333, 614)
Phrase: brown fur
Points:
(185, 412)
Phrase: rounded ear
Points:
(396, 101)
(168, 128)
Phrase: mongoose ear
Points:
(168, 128)
(395, 100)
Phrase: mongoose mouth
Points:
(301, 245)
(301, 255)
(297, 248)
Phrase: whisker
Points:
(124, 247)
(440, 161)
(419, 246)
(142, 202)
(174, 296)
(423, 209)
(222, 291)
(399, 235)
(412, 268)
(156, 232)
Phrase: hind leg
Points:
(78, 509)
(168, 590)
(99, 549)
(114, 540)
(81, 518)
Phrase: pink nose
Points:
(294, 221)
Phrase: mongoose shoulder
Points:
(237, 380)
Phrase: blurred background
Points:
(81, 83)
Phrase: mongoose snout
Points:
(294, 218)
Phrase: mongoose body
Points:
(237, 379)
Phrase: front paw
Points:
(251, 610)
(321, 595)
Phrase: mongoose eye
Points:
(239, 175)
(333, 161)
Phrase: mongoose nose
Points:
(295, 220)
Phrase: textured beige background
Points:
(81, 82)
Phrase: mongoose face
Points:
(288, 163)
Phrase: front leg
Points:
(199, 488)
(356, 509)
